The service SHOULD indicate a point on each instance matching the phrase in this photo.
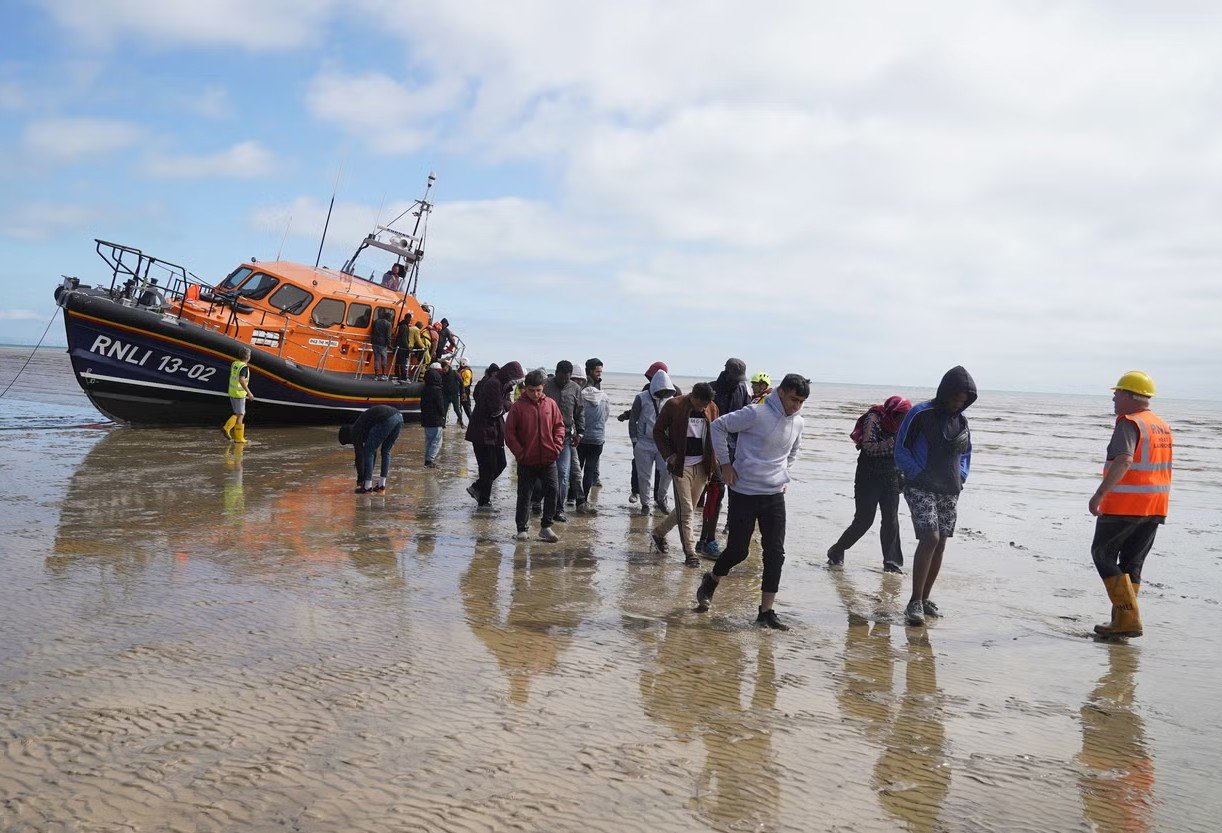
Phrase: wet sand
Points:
(203, 640)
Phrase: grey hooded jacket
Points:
(768, 443)
(650, 405)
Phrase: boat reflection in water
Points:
(140, 496)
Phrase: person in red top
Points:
(535, 434)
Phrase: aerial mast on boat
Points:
(407, 247)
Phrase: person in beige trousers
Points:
(684, 440)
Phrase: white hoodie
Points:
(660, 389)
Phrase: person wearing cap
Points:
(1132, 499)
(486, 428)
(876, 485)
(761, 386)
(933, 451)
(375, 430)
(729, 394)
(432, 413)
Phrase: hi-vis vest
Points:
(1145, 488)
(236, 390)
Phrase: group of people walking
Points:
(724, 438)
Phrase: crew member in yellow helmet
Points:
(1132, 499)
(239, 392)
(761, 386)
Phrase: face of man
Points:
(790, 401)
(595, 374)
(697, 403)
(758, 387)
(957, 402)
(534, 393)
(562, 379)
(1124, 403)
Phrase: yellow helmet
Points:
(761, 377)
(1135, 381)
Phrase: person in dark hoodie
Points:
(451, 388)
(377, 429)
(729, 394)
(432, 413)
(933, 451)
(486, 428)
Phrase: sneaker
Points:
(692, 561)
(659, 542)
(644, 509)
(914, 614)
(379, 489)
(484, 508)
(930, 609)
(634, 497)
(571, 502)
(598, 484)
(891, 567)
(586, 509)
(536, 509)
(473, 492)
(548, 535)
(712, 549)
(768, 619)
(835, 556)
(663, 508)
(560, 518)
(522, 535)
(704, 593)
(361, 490)
(429, 464)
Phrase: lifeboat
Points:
(155, 346)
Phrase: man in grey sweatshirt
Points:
(769, 436)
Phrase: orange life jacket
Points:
(1145, 488)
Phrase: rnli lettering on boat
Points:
(323, 342)
(113, 348)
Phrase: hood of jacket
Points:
(956, 380)
(510, 372)
(660, 382)
(432, 378)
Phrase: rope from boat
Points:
(33, 352)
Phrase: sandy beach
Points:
(200, 639)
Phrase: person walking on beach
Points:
(486, 428)
(566, 393)
(451, 386)
(729, 394)
(650, 465)
(375, 430)
(595, 408)
(432, 413)
(683, 439)
(630, 415)
(239, 391)
(769, 438)
(465, 377)
(1131, 501)
(876, 484)
(933, 451)
(535, 434)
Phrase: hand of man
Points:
(1095, 500)
(728, 475)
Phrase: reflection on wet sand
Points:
(1117, 781)
(550, 590)
(911, 776)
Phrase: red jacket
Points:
(534, 431)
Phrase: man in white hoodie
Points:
(769, 436)
(650, 464)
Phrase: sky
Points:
(859, 192)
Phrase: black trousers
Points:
(1121, 546)
(589, 454)
(491, 462)
(744, 513)
(875, 488)
(528, 476)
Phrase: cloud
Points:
(386, 114)
(245, 160)
(251, 24)
(20, 315)
(38, 221)
(12, 95)
(67, 140)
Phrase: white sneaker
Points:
(546, 534)
(633, 498)
(522, 536)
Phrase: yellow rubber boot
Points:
(1126, 620)
(228, 426)
(239, 432)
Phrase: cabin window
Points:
(290, 299)
(328, 312)
(358, 315)
(236, 277)
(258, 286)
(388, 314)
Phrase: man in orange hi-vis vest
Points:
(1131, 501)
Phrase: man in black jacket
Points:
(432, 414)
(730, 393)
(451, 387)
(377, 429)
(379, 339)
